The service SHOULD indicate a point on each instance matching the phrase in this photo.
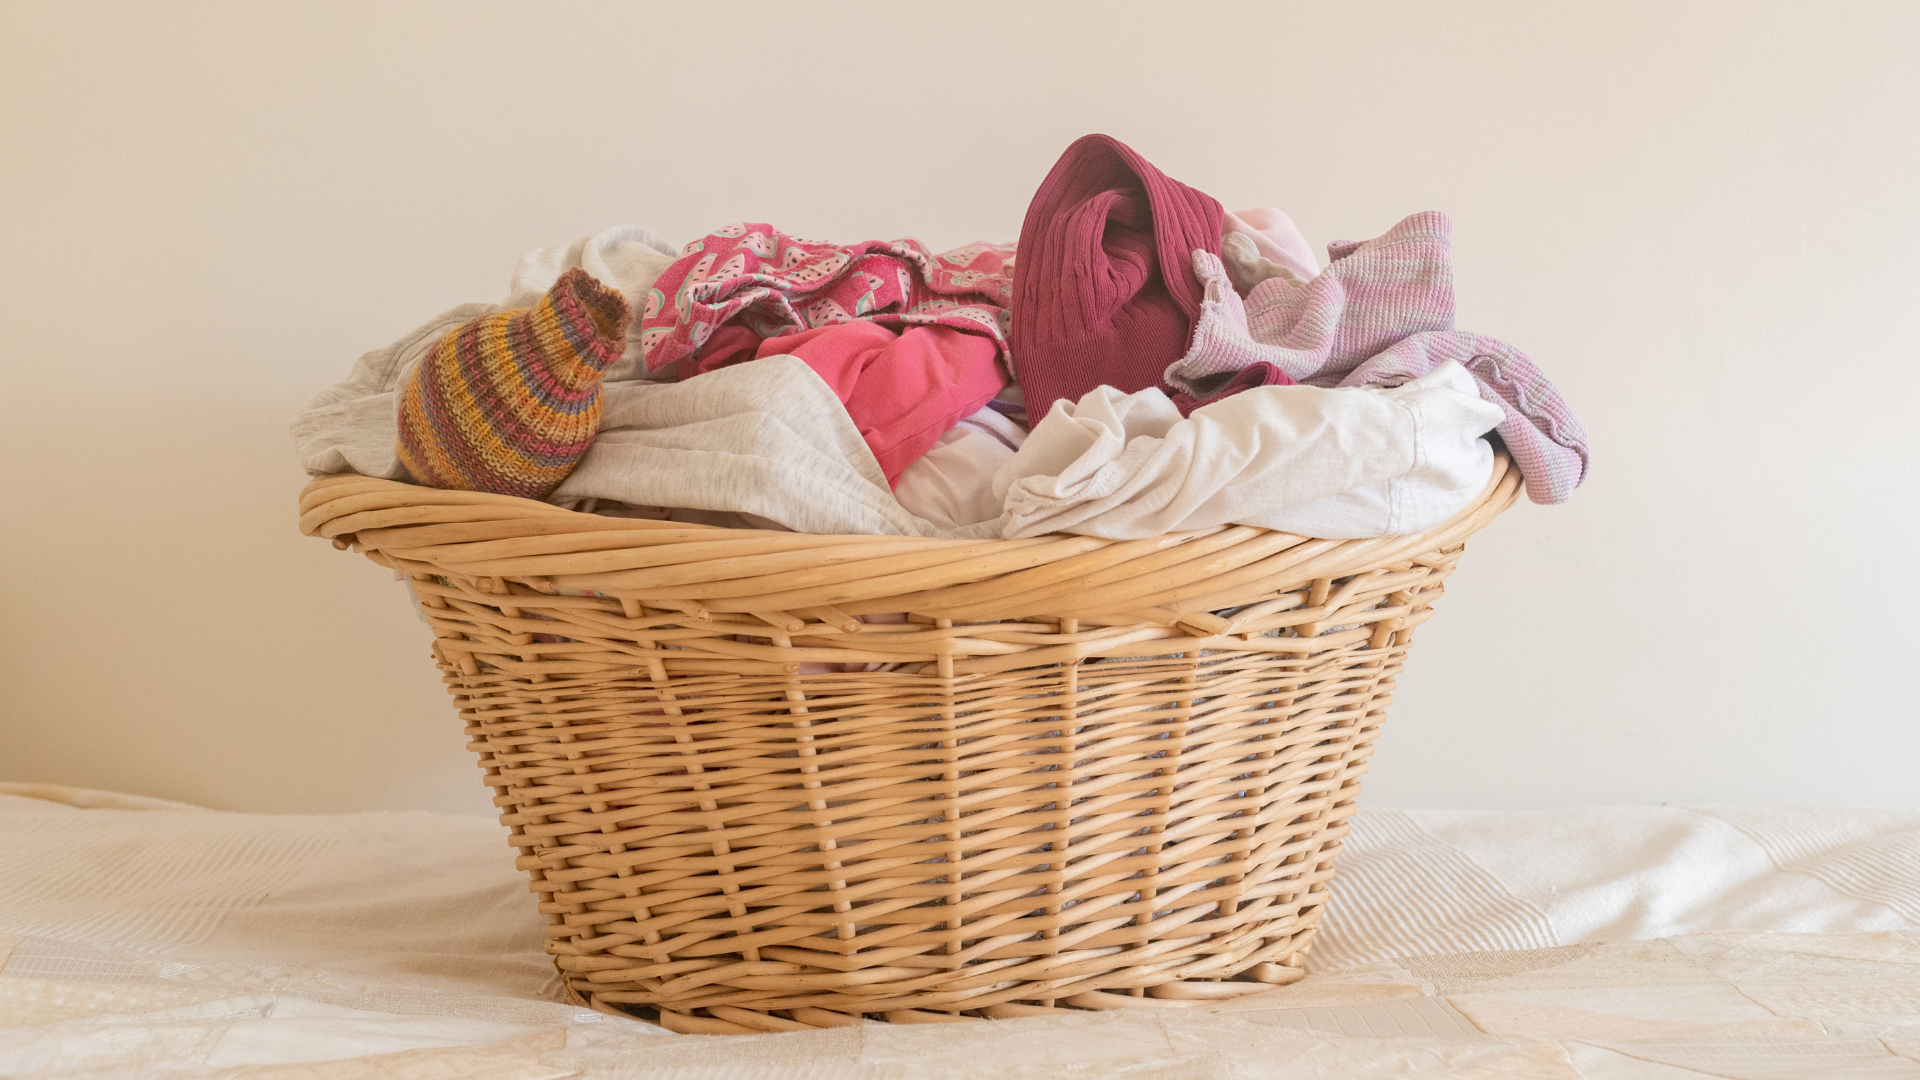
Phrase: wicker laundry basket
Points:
(1079, 773)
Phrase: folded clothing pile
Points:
(1142, 361)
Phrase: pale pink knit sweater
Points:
(1381, 314)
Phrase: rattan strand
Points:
(1082, 774)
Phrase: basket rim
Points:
(500, 541)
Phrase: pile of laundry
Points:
(1142, 361)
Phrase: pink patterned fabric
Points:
(756, 278)
(1379, 314)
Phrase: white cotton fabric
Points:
(1579, 943)
(951, 485)
(1336, 464)
(625, 257)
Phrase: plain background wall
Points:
(1701, 219)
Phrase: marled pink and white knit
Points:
(1381, 314)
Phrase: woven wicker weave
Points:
(1080, 773)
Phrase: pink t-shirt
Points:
(902, 390)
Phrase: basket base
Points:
(726, 1020)
(1178, 994)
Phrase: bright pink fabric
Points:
(1105, 291)
(903, 390)
(754, 278)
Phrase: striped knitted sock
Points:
(509, 402)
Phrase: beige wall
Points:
(1702, 219)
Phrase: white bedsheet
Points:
(144, 939)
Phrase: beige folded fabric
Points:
(768, 439)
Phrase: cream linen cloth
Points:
(150, 939)
(1326, 463)
(768, 439)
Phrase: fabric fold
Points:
(951, 485)
(627, 258)
(1269, 245)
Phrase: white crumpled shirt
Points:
(1336, 464)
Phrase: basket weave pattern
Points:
(1053, 773)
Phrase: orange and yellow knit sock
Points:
(509, 402)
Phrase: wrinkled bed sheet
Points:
(147, 939)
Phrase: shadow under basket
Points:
(768, 781)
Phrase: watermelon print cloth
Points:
(755, 277)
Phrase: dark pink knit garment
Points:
(1260, 374)
(1104, 290)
